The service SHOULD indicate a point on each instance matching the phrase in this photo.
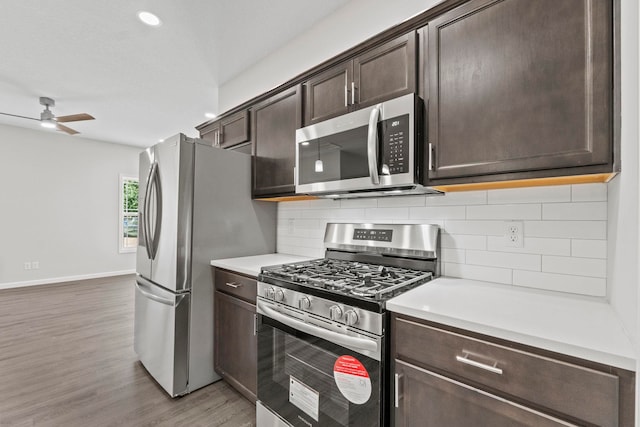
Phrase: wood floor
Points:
(67, 359)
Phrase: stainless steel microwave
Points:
(370, 152)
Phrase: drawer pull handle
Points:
(234, 285)
(465, 359)
(396, 382)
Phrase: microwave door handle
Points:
(372, 144)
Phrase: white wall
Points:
(355, 22)
(60, 206)
(623, 190)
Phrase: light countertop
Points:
(578, 326)
(250, 265)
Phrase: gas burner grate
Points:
(354, 278)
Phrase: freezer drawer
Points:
(161, 337)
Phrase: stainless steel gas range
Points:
(323, 358)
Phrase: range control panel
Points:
(395, 145)
(373, 235)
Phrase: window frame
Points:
(121, 214)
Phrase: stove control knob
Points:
(279, 295)
(270, 293)
(335, 312)
(305, 303)
(350, 318)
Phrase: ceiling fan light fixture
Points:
(48, 123)
(149, 18)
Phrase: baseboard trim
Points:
(64, 279)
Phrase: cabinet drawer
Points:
(235, 284)
(565, 388)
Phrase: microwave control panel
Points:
(395, 145)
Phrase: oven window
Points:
(333, 158)
(297, 380)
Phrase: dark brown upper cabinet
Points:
(519, 89)
(275, 121)
(228, 131)
(384, 72)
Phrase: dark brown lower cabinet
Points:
(429, 399)
(449, 377)
(235, 345)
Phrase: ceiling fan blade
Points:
(74, 118)
(66, 129)
(22, 117)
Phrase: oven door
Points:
(310, 381)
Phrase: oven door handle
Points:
(334, 337)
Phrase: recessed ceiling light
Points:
(149, 18)
(210, 115)
(161, 140)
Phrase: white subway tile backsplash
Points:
(575, 266)
(532, 245)
(566, 229)
(561, 282)
(359, 203)
(504, 260)
(565, 232)
(462, 241)
(560, 193)
(507, 212)
(452, 255)
(589, 192)
(589, 248)
(575, 211)
(392, 202)
(477, 272)
(458, 198)
(378, 214)
(302, 251)
(333, 213)
(482, 228)
(438, 212)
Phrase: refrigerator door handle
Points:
(154, 185)
(159, 299)
(144, 223)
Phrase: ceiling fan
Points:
(48, 120)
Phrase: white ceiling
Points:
(140, 83)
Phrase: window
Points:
(128, 214)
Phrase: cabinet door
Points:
(519, 85)
(235, 355)
(328, 94)
(386, 72)
(234, 129)
(211, 133)
(438, 401)
(275, 121)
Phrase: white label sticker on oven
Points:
(352, 379)
(304, 397)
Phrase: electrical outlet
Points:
(35, 265)
(290, 224)
(27, 266)
(514, 234)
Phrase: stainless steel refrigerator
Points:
(194, 205)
